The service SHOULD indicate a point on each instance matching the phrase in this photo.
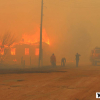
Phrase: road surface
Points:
(59, 83)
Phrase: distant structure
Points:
(28, 52)
(40, 47)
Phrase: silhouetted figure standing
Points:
(53, 60)
(63, 61)
(77, 59)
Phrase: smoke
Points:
(71, 25)
(76, 40)
(81, 43)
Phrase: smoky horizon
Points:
(69, 27)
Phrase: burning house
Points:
(27, 48)
(29, 53)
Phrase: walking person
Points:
(77, 59)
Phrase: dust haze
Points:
(72, 26)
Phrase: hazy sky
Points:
(72, 25)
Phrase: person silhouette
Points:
(77, 59)
(63, 61)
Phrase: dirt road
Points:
(60, 83)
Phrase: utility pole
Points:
(40, 47)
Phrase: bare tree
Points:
(8, 40)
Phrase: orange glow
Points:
(13, 51)
(48, 42)
(29, 38)
(26, 51)
(2, 51)
(37, 51)
(14, 60)
(34, 38)
(12, 44)
(5, 46)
